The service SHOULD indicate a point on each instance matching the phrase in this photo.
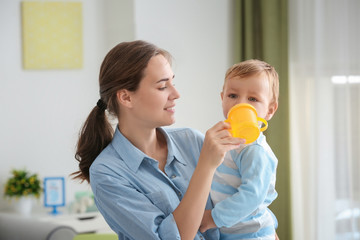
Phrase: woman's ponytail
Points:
(94, 136)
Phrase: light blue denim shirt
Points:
(135, 197)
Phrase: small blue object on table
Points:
(54, 193)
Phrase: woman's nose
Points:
(174, 94)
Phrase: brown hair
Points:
(123, 68)
(252, 67)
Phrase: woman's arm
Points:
(207, 222)
(189, 213)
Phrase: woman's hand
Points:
(218, 141)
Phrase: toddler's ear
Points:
(271, 111)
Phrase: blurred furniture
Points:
(49, 227)
(92, 222)
(16, 227)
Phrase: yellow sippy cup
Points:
(244, 122)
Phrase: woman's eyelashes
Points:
(162, 88)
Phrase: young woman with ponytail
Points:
(149, 182)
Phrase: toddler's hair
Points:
(252, 67)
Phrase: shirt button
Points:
(179, 194)
(201, 237)
(173, 176)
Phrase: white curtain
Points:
(324, 80)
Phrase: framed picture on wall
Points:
(54, 193)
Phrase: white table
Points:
(92, 222)
(82, 223)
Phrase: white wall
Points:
(42, 111)
(198, 35)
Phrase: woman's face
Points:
(154, 100)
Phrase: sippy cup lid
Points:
(241, 105)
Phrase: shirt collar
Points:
(173, 151)
(133, 157)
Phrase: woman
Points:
(149, 182)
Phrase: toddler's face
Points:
(254, 90)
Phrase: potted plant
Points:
(23, 185)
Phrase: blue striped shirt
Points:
(242, 189)
(135, 197)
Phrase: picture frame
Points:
(54, 193)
